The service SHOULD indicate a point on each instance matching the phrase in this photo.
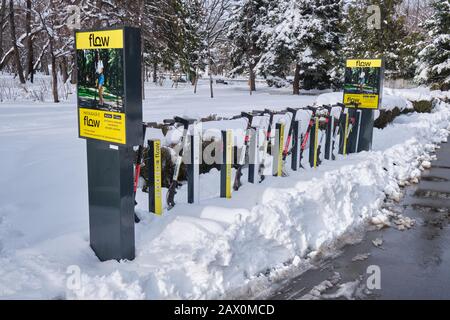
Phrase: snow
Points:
(316, 292)
(361, 257)
(217, 248)
(419, 93)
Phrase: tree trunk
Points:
(2, 21)
(64, 69)
(73, 73)
(196, 81)
(141, 12)
(210, 78)
(146, 73)
(143, 79)
(29, 71)
(155, 72)
(143, 74)
(211, 85)
(97, 21)
(252, 79)
(12, 27)
(296, 84)
(44, 66)
(54, 74)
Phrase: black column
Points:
(313, 137)
(111, 203)
(295, 145)
(329, 137)
(366, 130)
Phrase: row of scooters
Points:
(332, 128)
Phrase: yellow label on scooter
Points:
(158, 180)
(280, 152)
(316, 141)
(229, 160)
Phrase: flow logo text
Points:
(98, 41)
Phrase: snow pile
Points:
(349, 290)
(389, 101)
(222, 248)
(419, 93)
(316, 292)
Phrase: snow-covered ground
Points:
(218, 248)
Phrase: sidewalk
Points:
(414, 264)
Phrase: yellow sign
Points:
(157, 168)
(368, 101)
(107, 39)
(229, 160)
(102, 125)
(316, 140)
(363, 83)
(364, 63)
(280, 152)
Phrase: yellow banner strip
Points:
(229, 161)
(106, 39)
(364, 63)
(316, 141)
(280, 152)
(157, 173)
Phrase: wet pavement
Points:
(413, 264)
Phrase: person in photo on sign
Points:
(362, 80)
(100, 84)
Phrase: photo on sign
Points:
(362, 80)
(100, 79)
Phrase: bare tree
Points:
(415, 12)
(47, 17)
(12, 28)
(2, 22)
(212, 32)
(29, 46)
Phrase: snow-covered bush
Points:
(9, 90)
(39, 90)
(277, 82)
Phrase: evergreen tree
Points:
(173, 40)
(434, 58)
(190, 36)
(244, 33)
(392, 41)
(277, 41)
(304, 35)
(320, 64)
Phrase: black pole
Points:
(313, 137)
(295, 145)
(190, 171)
(253, 164)
(329, 136)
